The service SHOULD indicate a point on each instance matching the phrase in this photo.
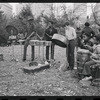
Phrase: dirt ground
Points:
(48, 82)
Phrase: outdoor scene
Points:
(49, 49)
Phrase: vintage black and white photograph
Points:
(49, 49)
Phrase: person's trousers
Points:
(70, 53)
(25, 51)
(86, 68)
(52, 51)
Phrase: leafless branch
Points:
(95, 17)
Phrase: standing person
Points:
(49, 32)
(77, 24)
(88, 31)
(78, 32)
(30, 30)
(71, 37)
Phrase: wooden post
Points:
(12, 50)
(43, 51)
(21, 50)
(33, 52)
(67, 53)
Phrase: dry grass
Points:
(49, 82)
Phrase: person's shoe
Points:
(24, 60)
(48, 61)
(68, 68)
(87, 78)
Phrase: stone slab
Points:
(34, 69)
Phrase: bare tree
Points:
(70, 14)
(96, 20)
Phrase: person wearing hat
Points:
(49, 32)
(88, 31)
(70, 34)
(30, 34)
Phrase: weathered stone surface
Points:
(33, 69)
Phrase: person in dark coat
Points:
(88, 31)
(30, 33)
(49, 32)
(78, 32)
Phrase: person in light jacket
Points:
(70, 34)
(49, 32)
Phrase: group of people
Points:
(70, 34)
(89, 40)
(84, 38)
(32, 35)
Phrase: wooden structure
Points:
(37, 43)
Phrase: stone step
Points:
(34, 69)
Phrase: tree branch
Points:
(95, 17)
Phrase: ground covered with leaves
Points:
(48, 82)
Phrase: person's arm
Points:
(82, 44)
(82, 33)
(54, 32)
(74, 34)
(94, 56)
(39, 36)
(32, 34)
(46, 33)
(25, 35)
(93, 34)
(95, 53)
(88, 47)
(66, 34)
